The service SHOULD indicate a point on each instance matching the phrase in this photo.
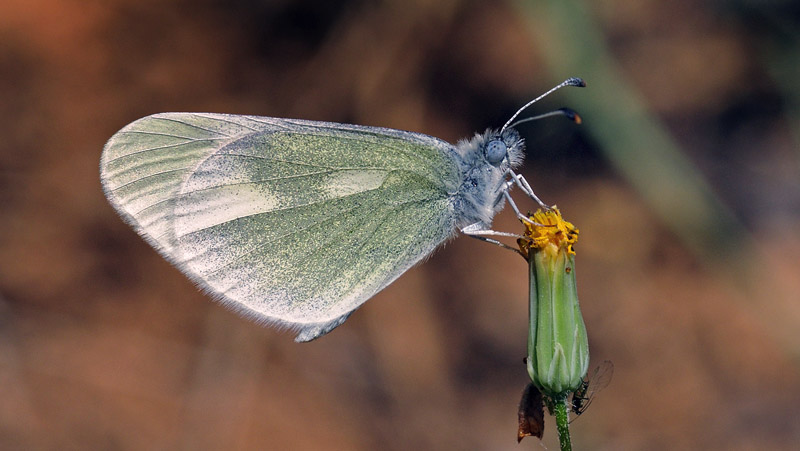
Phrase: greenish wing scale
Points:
(291, 222)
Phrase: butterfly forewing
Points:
(145, 164)
(294, 222)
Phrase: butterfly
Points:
(297, 223)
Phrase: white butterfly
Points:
(298, 223)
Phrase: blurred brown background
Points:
(683, 181)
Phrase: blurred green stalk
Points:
(644, 152)
(632, 139)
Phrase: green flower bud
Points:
(558, 346)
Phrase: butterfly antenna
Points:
(568, 82)
(568, 113)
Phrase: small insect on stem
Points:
(584, 395)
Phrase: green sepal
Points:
(558, 345)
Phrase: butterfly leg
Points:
(503, 245)
(523, 184)
(521, 217)
(475, 229)
(477, 232)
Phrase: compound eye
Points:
(496, 151)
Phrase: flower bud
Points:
(558, 346)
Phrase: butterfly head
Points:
(503, 147)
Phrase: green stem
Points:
(562, 424)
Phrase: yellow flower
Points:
(549, 231)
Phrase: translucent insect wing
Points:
(600, 378)
(290, 222)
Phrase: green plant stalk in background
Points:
(633, 140)
(643, 151)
